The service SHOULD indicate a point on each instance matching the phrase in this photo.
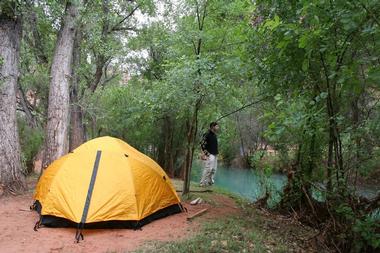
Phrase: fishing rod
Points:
(237, 110)
(242, 108)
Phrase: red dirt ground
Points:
(17, 234)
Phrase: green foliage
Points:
(368, 231)
(316, 63)
(9, 8)
(173, 78)
(230, 151)
(309, 55)
(120, 113)
(263, 160)
(31, 141)
(365, 230)
(295, 121)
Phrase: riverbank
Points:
(254, 184)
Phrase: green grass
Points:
(178, 184)
(251, 230)
(227, 235)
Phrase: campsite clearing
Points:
(226, 225)
(17, 224)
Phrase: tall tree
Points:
(56, 138)
(190, 63)
(192, 122)
(100, 39)
(77, 134)
(11, 177)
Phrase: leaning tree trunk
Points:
(12, 179)
(56, 137)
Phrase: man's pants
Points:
(209, 170)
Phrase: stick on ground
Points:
(197, 214)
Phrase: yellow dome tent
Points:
(104, 183)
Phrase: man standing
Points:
(209, 147)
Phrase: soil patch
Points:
(17, 234)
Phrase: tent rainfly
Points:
(104, 183)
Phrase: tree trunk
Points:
(335, 135)
(12, 179)
(93, 126)
(191, 134)
(180, 151)
(356, 119)
(193, 122)
(168, 129)
(160, 158)
(171, 156)
(240, 132)
(330, 163)
(188, 158)
(101, 59)
(161, 145)
(56, 138)
(335, 144)
(77, 136)
(164, 146)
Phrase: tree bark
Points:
(160, 158)
(77, 136)
(330, 163)
(191, 134)
(335, 144)
(169, 151)
(188, 157)
(171, 156)
(164, 146)
(240, 133)
(12, 179)
(56, 138)
(101, 59)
